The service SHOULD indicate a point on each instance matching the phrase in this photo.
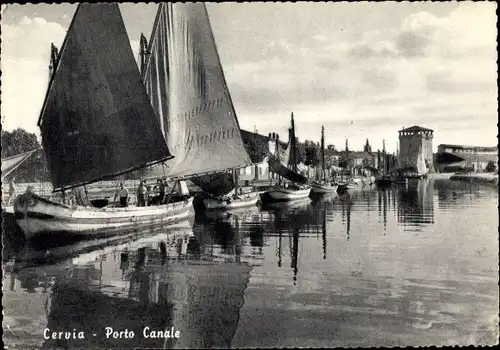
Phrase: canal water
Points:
(407, 266)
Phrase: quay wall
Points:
(99, 189)
(487, 178)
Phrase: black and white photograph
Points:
(200, 175)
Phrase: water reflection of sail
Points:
(415, 204)
(199, 298)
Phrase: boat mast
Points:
(143, 53)
(384, 157)
(294, 148)
(323, 151)
(278, 155)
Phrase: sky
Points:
(361, 69)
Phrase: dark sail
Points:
(188, 91)
(97, 121)
(217, 184)
(277, 167)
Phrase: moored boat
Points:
(38, 216)
(297, 186)
(96, 123)
(401, 180)
(281, 193)
(383, 181)
(323, 186)
(232, 202)
(183, 75)
(317, 187)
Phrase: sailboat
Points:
(96, 123)
(385, 179)
(184, 79)
(9, 164)
(323, 186)
(298, 188)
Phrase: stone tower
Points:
(412, 141)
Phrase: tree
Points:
(331, 148)
(367, 162)
(491, 166)
(301, 152)
(312, 153)
(34, 168)
(345, 160)
(18, 141)
(256, 150)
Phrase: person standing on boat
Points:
(123, 195)
(30, 190)
(12, 190)
(161, 188)
(141, 189)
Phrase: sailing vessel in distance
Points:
(298, 187)
(323, 186)
(183, 76)
(96, 123)
(385, 179)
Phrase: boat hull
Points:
(342, 187)
(37, 216)
(383, 182)
(317, 188)
(224, 204)
(402, 181)
(285, 194)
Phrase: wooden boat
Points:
(321, 187)
(401, 181)
(298, 186)
(383, 181)
(281, 193)
(209, 150)
(36, 215)
(232, 202)
(317, 187)
(347, 185)
(96, 123)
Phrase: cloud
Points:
(445, 83)
(431, 70)
(422, 67)
(25, 72)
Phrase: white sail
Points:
(421, 167)
(9, 164)
(188, 91)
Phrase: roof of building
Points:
(351, 153)
(449, 158)
(475, 148)
(261, 141)
(415, 128)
